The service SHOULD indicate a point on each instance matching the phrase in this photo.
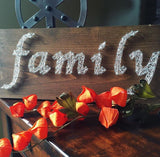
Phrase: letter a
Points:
(42, 67)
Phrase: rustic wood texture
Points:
(89, 138)
(44, 149)
(77, 40)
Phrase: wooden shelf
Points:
(89, 138)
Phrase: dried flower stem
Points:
(62, 127)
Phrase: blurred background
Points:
(100, 13)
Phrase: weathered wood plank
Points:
(90, 138)
(44, 149)
(77, 40)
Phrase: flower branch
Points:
(59, 129)
(112, 105)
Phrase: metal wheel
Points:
(48, 10)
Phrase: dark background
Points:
(100, 12)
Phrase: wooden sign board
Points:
(41, 52)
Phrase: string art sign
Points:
(48, 62)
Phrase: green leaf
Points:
(68, 101)
(143, 90)
(128, 109)
(147, 92)
(69, 113)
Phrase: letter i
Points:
(97, 58)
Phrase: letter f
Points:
(19, 52)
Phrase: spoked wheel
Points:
(48, 10)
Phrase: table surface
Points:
(90, 138)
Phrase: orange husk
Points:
(56, 106)
(119, 96)
(30, 101)
(58, 118)
(17, 110)
(21, 140)
(40, 128)
(82, 108)
(87, 95)
(44, 108)
(108, 116)
(104, 100)
(5, 147)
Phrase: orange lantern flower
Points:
(44, 108)
(21, 140)
(5, 147)
(56, 106)
(17, 110)
(119, 96)
(30, 101)
(58, 118)
(82, 108)
(40, 128)
(104, 100)
(108, 116)
(87, 95)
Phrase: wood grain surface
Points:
(86, 40)
(89, 138)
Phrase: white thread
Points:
(149, 69)
(98, 69)
(42, 67)
(117, 66)
(102, 46)
(71, 59)
(18, 53)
